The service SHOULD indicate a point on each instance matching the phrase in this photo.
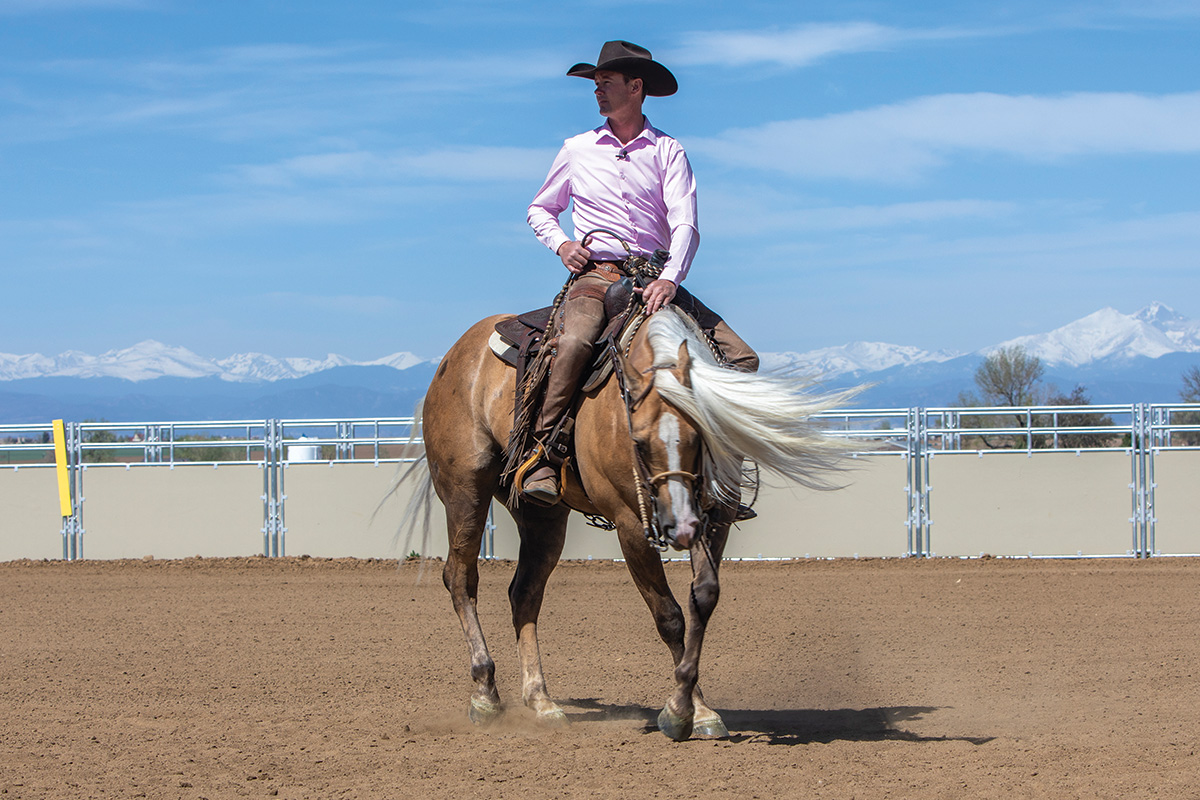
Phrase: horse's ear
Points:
(683, 366)
(634, 379)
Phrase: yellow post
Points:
(60, 460)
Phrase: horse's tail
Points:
(415, 523)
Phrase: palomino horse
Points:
(692, 422)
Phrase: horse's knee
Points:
(670, 624)
(705, 594)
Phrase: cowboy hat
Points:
(634, 61)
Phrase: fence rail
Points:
(919, 436)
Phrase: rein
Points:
(643, 271)
(642, 479)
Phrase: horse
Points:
(670, 405)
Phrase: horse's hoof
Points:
(674, 726)
(484, 712)
(556, 718)
(712, 728)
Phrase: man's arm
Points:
(679, 196)
(550, 202)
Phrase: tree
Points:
(1010, 377)
(1078, 419)
(100, 455)
(1190, 393)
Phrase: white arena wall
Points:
(907, 494)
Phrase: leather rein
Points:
(642, 271)
(644, 482)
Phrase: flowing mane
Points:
(740, 415)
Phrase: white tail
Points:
(415, 524)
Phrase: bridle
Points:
(643, 481)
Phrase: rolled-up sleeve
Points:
(550, 202)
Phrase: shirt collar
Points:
(605, 132)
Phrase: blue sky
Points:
(299, 178)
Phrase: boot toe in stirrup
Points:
(542, 488)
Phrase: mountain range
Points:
(1118, 358)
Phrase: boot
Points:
(541, 486)
(582, 321)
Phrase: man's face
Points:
(616, 93)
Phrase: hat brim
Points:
(657, 79)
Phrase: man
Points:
(632, 179)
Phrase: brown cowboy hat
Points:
(634, 61)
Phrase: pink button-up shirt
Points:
(643, 190)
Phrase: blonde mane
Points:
(745, 416)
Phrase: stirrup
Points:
(537, 459)
(545, 491)
(744, 512)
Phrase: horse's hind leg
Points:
(466, 513)
(543, 532)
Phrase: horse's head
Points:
(668, 443)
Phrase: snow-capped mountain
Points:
(1153, 332)
(856, 358)
(1098, 338)
(150, 359)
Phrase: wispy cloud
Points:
(49, 6)
(903, 141)
(1155, 9)
(803, 45)
(763, 212)
(272, 90)
(482, 164)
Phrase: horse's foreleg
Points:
(465, 521)
(688, 701)
(646, 568)
(543, 532)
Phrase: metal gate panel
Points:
(30, 524)
(1177, 502)
(172, 512)
(332, 512)
(1053, 503)
(867, 517)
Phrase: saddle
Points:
(518, 340)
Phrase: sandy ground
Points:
(306, 678)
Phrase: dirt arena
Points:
(306, 678)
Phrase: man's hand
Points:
(657, 294)
(574, 256)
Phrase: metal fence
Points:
(938, 447)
